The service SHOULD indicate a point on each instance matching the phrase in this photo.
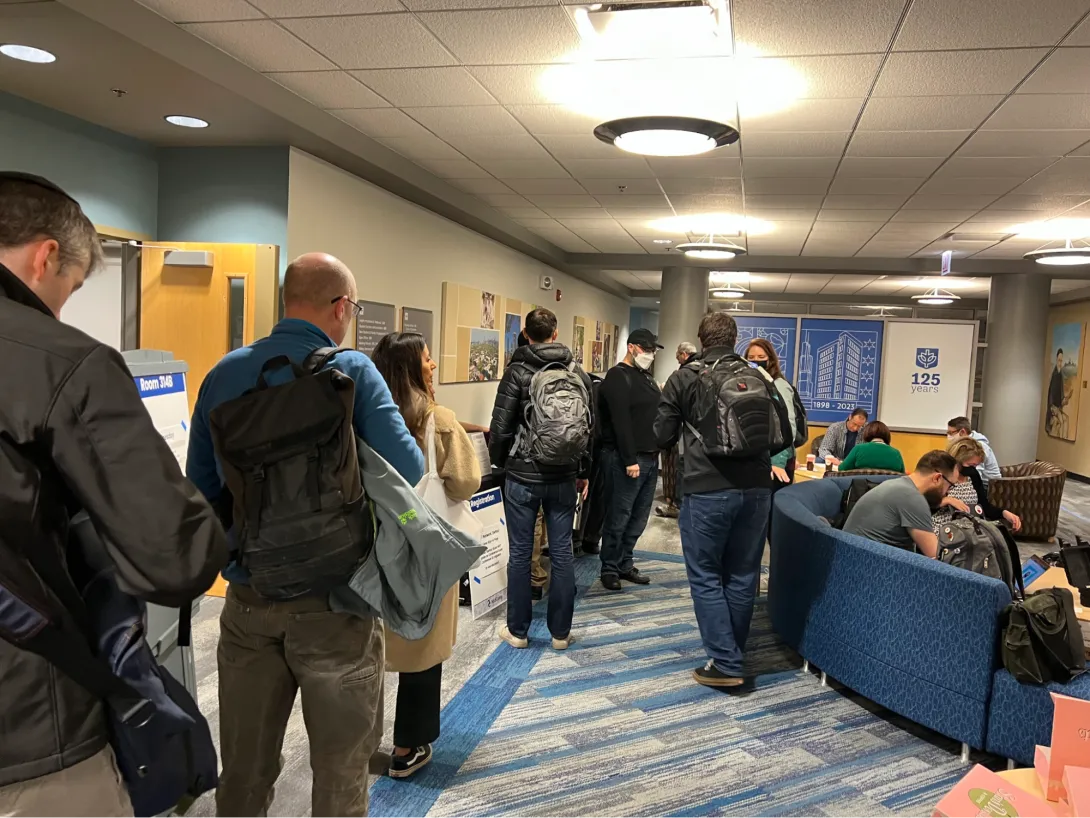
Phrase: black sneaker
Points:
(634, 576)
(611, 583)
(536, 592)
(404, 766)
(592, 548)
(709, 676)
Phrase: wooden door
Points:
(195, 312)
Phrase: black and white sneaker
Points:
(711, 676)
(406, 765)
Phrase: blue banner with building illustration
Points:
(781, 332)
(839, 363)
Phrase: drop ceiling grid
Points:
(916, 102)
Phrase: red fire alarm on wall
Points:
(558, 295)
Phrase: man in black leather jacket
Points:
(74, 436)
(532, 485)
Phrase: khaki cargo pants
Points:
(92, 787)
(270, 650)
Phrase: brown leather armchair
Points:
(1033, 491)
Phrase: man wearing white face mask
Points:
(630, 467)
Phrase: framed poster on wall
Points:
(782, 332)
(414, 320)
(376, 320)
(927, 373)
(839, 367)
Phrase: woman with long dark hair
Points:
(404, 361)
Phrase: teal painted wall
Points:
(114, 177)
(643, 318)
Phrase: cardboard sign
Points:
(488, 575)
(982, 792)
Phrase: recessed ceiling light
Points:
(186, 121)
(26, 53)
(1061, 256)
(662, 241)
(666, 135)
(711, 250)
(936, 297)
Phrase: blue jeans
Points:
(521, 503)
(628, 505)
(723, 538)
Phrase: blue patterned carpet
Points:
(616, 726)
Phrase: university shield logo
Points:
(927, 357)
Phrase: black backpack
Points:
(1042, 638)
(983, 547)
(737, 411)
(288, 455)
(852, 495)
(802, 428)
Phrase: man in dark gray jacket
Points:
(75, 436)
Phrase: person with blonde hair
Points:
(969, 494)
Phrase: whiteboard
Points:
(927, 374)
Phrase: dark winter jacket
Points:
(75, 436)
(509, 415)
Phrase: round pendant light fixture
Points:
(730, 291)
(1066, 256)
(666, 135)
(711, 250)
(936, 297)
(27, 53)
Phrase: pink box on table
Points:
(982, 792)
(1076, 782)
(1070, 742)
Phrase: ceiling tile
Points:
(585, 213)
(202, 11)
(914, 167)
(456, 5)
(826, 77)
(955, 216)
(801, 214)
(372, 41)
(938, 24)
(855, 201)
(330, 89)
(513, 84)
(1064, 72)
(611, 185)
(695, 167)
(853, 215)
(781, 202)
(583, 146)
(505, 36)
(672, 186)
(409, 87)
(1024, 143)
(905, 143)
(820, 167)
(549, 187)
(926, 113)
(1041, 112)
(788, 27)
(776, 246)
(1083, 150)
(844, 230)
(320, 8)
(422, 146)
(888, 249)
(792, 143)
(262, 45)
(482, 187)
(948, 201)
(703, 203)
(615, 244)
(636, 216)
(854, 184)
(507, 200)
(921, 74)
(608, 168)
(847, 283)
(785, 185)
(830, 249)
(452, 168)
(382, 123)
(1049, 204)
(522, 212)
(510, 146)
(800, 283)
(582, 226)
(803, 115)
(1024, 166)
(546, 168)
(928, 230)
(553, 119)
(631, 200)
(485, 120)
(992, 185)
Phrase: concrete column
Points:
(683, 302)
(1014, 366)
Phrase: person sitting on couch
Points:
(898, 511)
(840, 437)
(970, 495)
(875, 452)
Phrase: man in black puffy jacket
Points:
(531, 485)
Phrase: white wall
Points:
(401, 254)
(96, 307)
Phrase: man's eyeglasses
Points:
(357, 307)
(949, 482)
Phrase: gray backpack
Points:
(982, 547)
(737, 410)
(558, 417)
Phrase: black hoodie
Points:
(509, 414)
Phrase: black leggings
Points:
(416, 720)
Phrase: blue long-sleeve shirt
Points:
(376, 417)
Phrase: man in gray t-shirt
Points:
(898, 512)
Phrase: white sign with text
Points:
(488, 575)
(927, 374)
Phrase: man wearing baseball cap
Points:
(628, 405)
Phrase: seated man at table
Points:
(898, 511)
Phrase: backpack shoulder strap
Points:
(317, 360)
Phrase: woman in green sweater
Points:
(875, 452)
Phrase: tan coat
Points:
(461, 473)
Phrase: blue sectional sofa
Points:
(912, 634)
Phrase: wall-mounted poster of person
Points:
(578, 342)
(597, 330)
(596, 358)
(488, 310)
(484, 355)
(511, 329)
(1065, 380)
